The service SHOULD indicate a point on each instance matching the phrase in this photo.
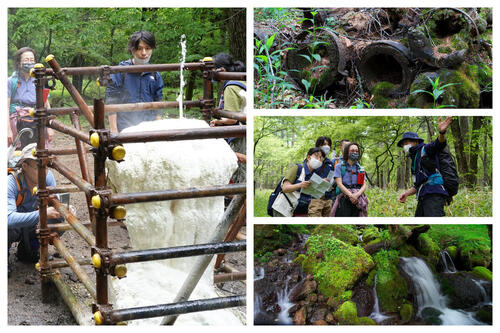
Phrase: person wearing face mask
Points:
(233, 98)
(297, 178)
(428, 185)
(21, 98)
(322, 207)
(349, 176)
(135, 87)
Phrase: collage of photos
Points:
(136, 196)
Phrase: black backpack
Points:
(445, 163)
(277, 191)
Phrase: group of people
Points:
(22, 205)
(347, 194)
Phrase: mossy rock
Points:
(431, 316)
(266, 239)
(485, 314)
(370, 280)
(482, 272)
(392, 289)
(445, 49)
(398, 235)
(370, 233)
(472, 254)
(346, 314)
(408, 250)
(464, 93)
(406, 313)
(382, 93)
(344, 232)
(299, 260)
(365, 321)
(335, 265)
(427, 247)
(452, 251)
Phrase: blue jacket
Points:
(136, 88)
(26, 214)
(308, 174)
(420, 174)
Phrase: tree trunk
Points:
(236, 27)
(474, 150)
(486, 178)
(190, 85)
(77, 80)
(459, 149)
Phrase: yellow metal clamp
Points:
(94, 140)
(118, 153)
(96, 201)
(96, 260)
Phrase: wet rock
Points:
(485, 314)
(431, 316)
(300, 317)
(462, 291)
(329, 318)
(279, 252)
(319, 315)
(311, 298)
(406, 313)
(302, 289)
(363, 297)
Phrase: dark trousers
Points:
(431, 205)
(346, 208)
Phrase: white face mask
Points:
(325, 149)
(314, 163)
(406, 148)
(139, 61)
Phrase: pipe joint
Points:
(104, 78)
(101, 260)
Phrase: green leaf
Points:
(270, 41)
(317, 57)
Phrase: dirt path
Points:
(24, 292)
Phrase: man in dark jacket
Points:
(135, 87)
(430, 192)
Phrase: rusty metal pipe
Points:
(181, 134)
(189, 193)
(78, 134)
(241, 117)
(227, 277)
(75, 267)
(222, 76)
(62, 263)
(61, 75)
(75, 179)
(74, 222)
(58, 227)
(66, 151)
(128, 107)
(79, 311)
(190, 66)
(176, 308)
(177, 252)
(63, 189)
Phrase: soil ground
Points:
(24, 292)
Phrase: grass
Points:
(383, 203)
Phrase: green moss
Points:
(406, 313)
(458, 42)
(465, 91)
(346, 314)
(452, 251)
(370, 280)
(370, 234)
(299, 260)
(427, 247)
(335, 265)
(365, 321)
(445, 49)
(344, 232)
(408, 250)
(404, 41)
(382, 93)
(421, 82)
(391, 287)
(482, 272)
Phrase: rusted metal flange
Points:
(389, 61)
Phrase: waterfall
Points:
(285, 305)
(449, 267)
(258, 273)
(376, 315)
(428, 294)
(181, 85)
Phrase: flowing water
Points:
(376, 315)
(428, 294)
(449, 266)
(180, 99)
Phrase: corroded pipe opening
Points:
(386, 61)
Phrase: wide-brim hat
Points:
(28, 153)
(411, 136)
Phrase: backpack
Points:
(18, 177)
(445, 165)
(277, 191)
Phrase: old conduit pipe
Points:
(387, 61)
